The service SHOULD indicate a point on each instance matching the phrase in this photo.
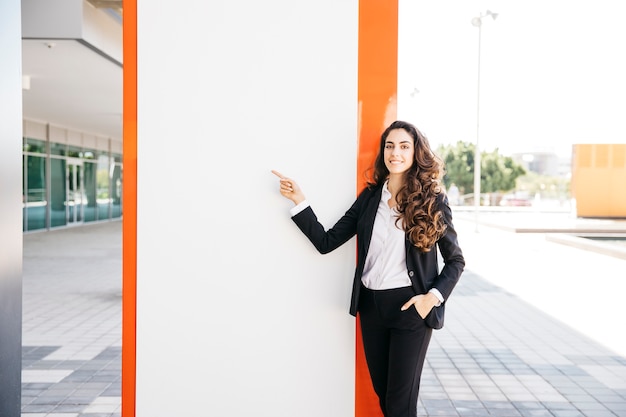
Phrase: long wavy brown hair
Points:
(421, 218)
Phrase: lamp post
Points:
(478, 22)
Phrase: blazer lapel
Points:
(368, 218)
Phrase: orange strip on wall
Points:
(377, 89)
(129, 221)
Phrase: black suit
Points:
(384, 327)
(359, 219)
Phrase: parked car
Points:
(512, 200)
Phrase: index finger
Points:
(279, 175)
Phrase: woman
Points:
(398, 290)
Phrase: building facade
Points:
(69, 177)
(72, 113)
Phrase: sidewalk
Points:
(518, 339)
(72, 322)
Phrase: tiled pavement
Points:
(72, 322)
(505, 350)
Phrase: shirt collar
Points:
(385, 196)
(386, 193)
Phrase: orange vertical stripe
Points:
(129, 221)
(378, 74)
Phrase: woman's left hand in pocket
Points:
(423, 303)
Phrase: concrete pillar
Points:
(236, 313)
(10, 208)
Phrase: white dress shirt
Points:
(385, 264)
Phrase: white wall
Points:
(237, 314)
(10, 208)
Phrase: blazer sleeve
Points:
(326, 241)
(453, 259)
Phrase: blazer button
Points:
(410, 273)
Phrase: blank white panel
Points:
(237, 314)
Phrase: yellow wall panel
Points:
(598, 180)
(617, 192)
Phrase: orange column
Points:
(129, 222)
(378, 74)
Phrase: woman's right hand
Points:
(289, 188)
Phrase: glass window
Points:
(104, 194)
(58, 148)
(116, 191)
(58, 192)
(90, 192)
(34, 145)
(75, 151)
(84, 185)
(24, 194)
(35, 193)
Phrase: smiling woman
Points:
(400, 220)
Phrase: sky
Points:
(552, 73)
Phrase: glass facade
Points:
(34, 192)
(66, 185)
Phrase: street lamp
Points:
(478, 22)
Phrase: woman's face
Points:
(399, 151)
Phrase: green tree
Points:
(498, 173)
(459, 165)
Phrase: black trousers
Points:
(395, 344)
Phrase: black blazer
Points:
(422, 267)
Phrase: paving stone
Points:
(498, 355)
